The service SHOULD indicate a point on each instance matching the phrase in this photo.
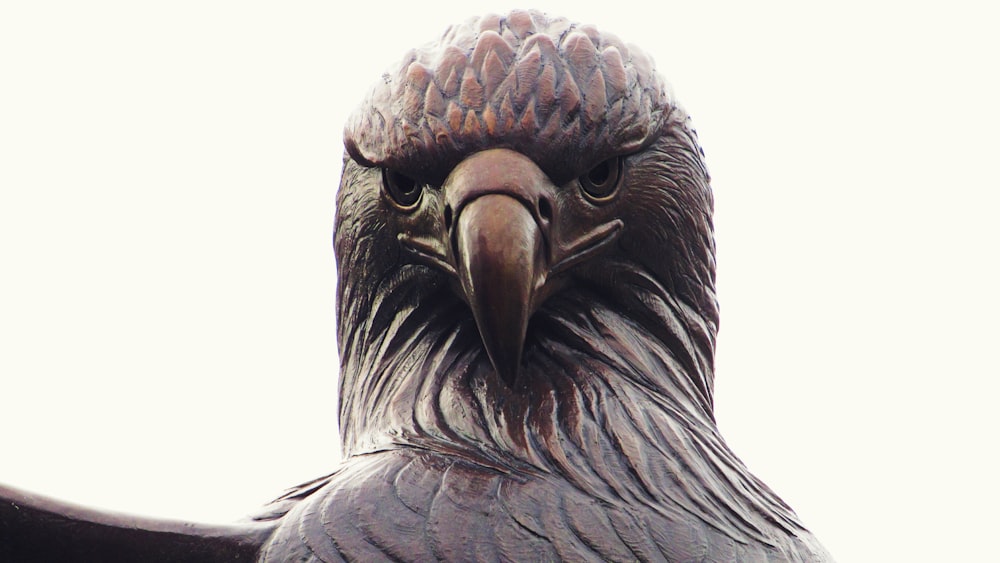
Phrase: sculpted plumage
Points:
(527, 320)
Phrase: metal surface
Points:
(527, 321)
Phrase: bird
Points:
(527, 319)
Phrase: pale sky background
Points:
(167, 181)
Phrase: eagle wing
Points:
(37, 528)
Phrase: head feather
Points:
(516, 81)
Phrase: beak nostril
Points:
(447, 218)
(544, 209)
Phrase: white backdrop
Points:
(167, 179)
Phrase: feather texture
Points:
(605, 446)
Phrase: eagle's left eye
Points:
(403, 190)
(600, 183)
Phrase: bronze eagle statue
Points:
(527, 321)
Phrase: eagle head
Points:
(519, 163)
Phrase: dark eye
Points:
(403, 190)
(601, 182)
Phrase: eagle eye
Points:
(403, 190)
(601, 182)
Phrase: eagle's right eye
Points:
(403, 190)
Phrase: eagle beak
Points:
(499, 248)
